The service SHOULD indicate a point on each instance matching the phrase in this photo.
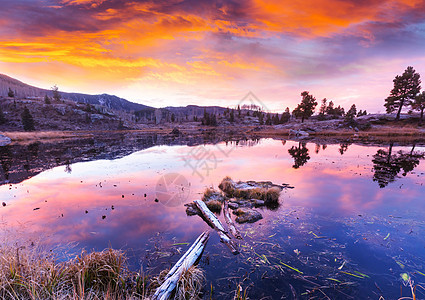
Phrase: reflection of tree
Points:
(299, 154)
(6, 162)
(387, 165)
(68, 168)
(317, 149)
(343, 147)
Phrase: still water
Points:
(352, 224)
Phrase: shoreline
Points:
(381, 134)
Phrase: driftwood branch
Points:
(215, 223)
(232, 228)
(191, 256)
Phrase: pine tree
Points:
(173, 118)
(261, 118)
(322, 110)
(285, 116)
(419, 104)
(305, 109)
(351, 113)
(27, 120)
(10, 93)
(232, 116)
(47, 100)
(330, 109)
(239, 111)
(405, 89)
(2, 118)
(56, 94)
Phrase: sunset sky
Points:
(208, 52)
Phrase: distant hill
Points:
(23, 90)
(195, 110)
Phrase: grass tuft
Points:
(33, 273)
(214, 205)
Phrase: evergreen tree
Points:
(261, 118)
(330, 109)
(405, 89)
(213, 120)
(232, 116)
(10, 93)
(2, 118)
(285, 116)
(305, 109)
(120, 125)
(56, 94)
(322, 110)
(47, 99)
(27, 120)
(419, 104)
(338, 111)
(239, 111)
(351, 113)
(173, 118)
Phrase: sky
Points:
(209, 52)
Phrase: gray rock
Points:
(233, 205)
(4, 140)
(247, 215)
(258, 203)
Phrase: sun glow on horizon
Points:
(213, 53)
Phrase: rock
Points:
(4, 140)
(302, 133)
(191, 209)
(298, 133)
(247, 215)
(233, 205)
(176, 131)
(258, 203)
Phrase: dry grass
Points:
(32, 273)
(272, 195)
(190, 284)
(214, 205)
(44, 135)
(207, 194)
(227, 186)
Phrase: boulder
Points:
(4, 140)
(247, 215)
(176, 131)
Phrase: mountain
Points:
(195, 110)
(23, 90)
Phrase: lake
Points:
(353, 222)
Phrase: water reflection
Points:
(299, 154)
(387, 165)
(19, 162)
(336, 213)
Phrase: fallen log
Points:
(232, 228)
(215, 223)
(205, 211)
(191, 256)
